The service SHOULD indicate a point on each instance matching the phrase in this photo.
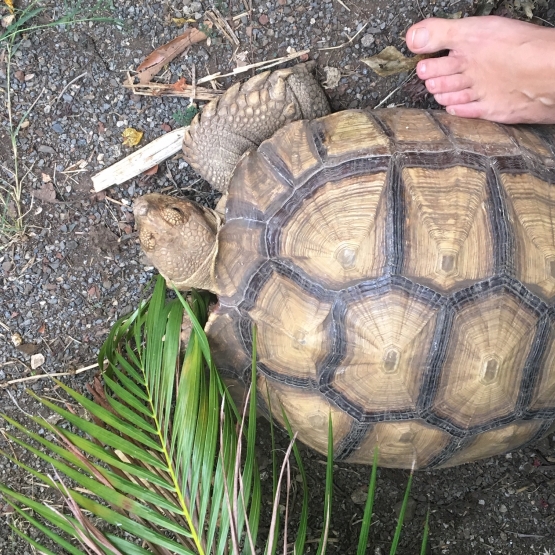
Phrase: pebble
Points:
(367, 40)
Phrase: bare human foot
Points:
(497, 69)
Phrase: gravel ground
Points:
(78, 267)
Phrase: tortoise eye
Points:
(175, 216)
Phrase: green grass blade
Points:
(399, 527)
(426, 533)
(328, 495)
(303, 519)
(367, 518)
(250, 474)
(275, 474)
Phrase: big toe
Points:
(431, 35)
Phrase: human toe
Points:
(476, 110)
(449, 84)
(431, 35)
(439, 67)
(454, 98)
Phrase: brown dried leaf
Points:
(9, 3)
(28, 348)
(131, 137)
(179, 85)
(151, 171)
(46, 192)
(390, 61)
(166, 53)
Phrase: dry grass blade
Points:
(275, 508)
(267, 64)
(163, 89)
(166, 53)
(216, 18)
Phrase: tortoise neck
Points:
(204, 276)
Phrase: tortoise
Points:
(399, 265)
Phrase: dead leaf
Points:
(45, 178)
(179, 85)
(46, 192)
(9, 3)
(19, 75)
(131, 137)
(166, 53)
(151, 171)
(28, 348)
(101, 128)
(166, 127)
(390, 61)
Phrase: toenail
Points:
(451, 111)
(432, 83)
(422, 68)
(420, 37)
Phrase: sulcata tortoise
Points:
(399, 266)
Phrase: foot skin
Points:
(497, 69)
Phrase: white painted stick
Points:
(141, 160)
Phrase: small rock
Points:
(57, 127)
(367, 40)
(46, 149)
(263, 19)
(358, 497)
(503, 509)
(17, 340)
(7, 266)
(19, 75)
(37, 360)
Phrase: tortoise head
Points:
(179, 238)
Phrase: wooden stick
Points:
(141, 160)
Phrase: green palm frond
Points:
(160, 451)
(160, 468)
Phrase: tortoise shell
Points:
(399, 266)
